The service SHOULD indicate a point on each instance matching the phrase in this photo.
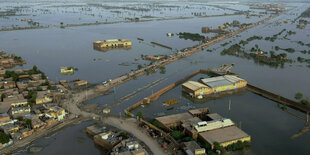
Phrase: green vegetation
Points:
(305, 51)
(284, 107)
(302, 60)
(298, 96)
(2, 97)
(289, 50)
(18, 59)
(235, 23)
(140, 66)
(243, 42)
(254, 38)
(273, 60)
(155, 123)
(217, 146)
(306, 13)
(177, 135)
(124, 135)
(4, 138)
(140, 114)
(224, 44)
(32, 96)
(162, 70)
(291, 32)
(275, 36)
(191, 36)
(238, 146)
(20, 118)
(305, 101)
(9, 74)
(116, 12)
(28, 123)
(187, 139)
(148, 17)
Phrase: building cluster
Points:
(28, 102)
(116, 142)
(9, 61)
(156, 57)
(22, 120)
(268, 7)
(105, 45)
(213, 85)
(204, 126)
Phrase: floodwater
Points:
(269, 126)
(71, 140)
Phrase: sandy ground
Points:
(131, 125)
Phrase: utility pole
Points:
(86, 91)
(114, 94)
(229, 104)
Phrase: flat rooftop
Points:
(214, 116)
(198, 111)
(191, 145)
(221, 80)
(223, 135)
(193, 85)
(174, 118)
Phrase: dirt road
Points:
(131, 125)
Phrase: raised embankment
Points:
(278, 98)
(269, 95)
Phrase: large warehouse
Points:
(213, 85)
(224, 83)
(195, 89)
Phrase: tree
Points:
(277, 48)
(217, 146)
(2, 97)
(256, 46)
(124, 135)
(155, 123)
(298, 96)
(28, 123)
(176, 135)
(35, 68)
(272, 53)
(4, 138)
(304, 101)
(139, 114)
(139, 66)
(20, 118)
(187, 139)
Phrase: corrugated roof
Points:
(214, 116)
(221, 80)
(232, 78)
(193, 85)
(223, 134)
(174, 118)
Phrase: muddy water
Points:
(269, 126)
